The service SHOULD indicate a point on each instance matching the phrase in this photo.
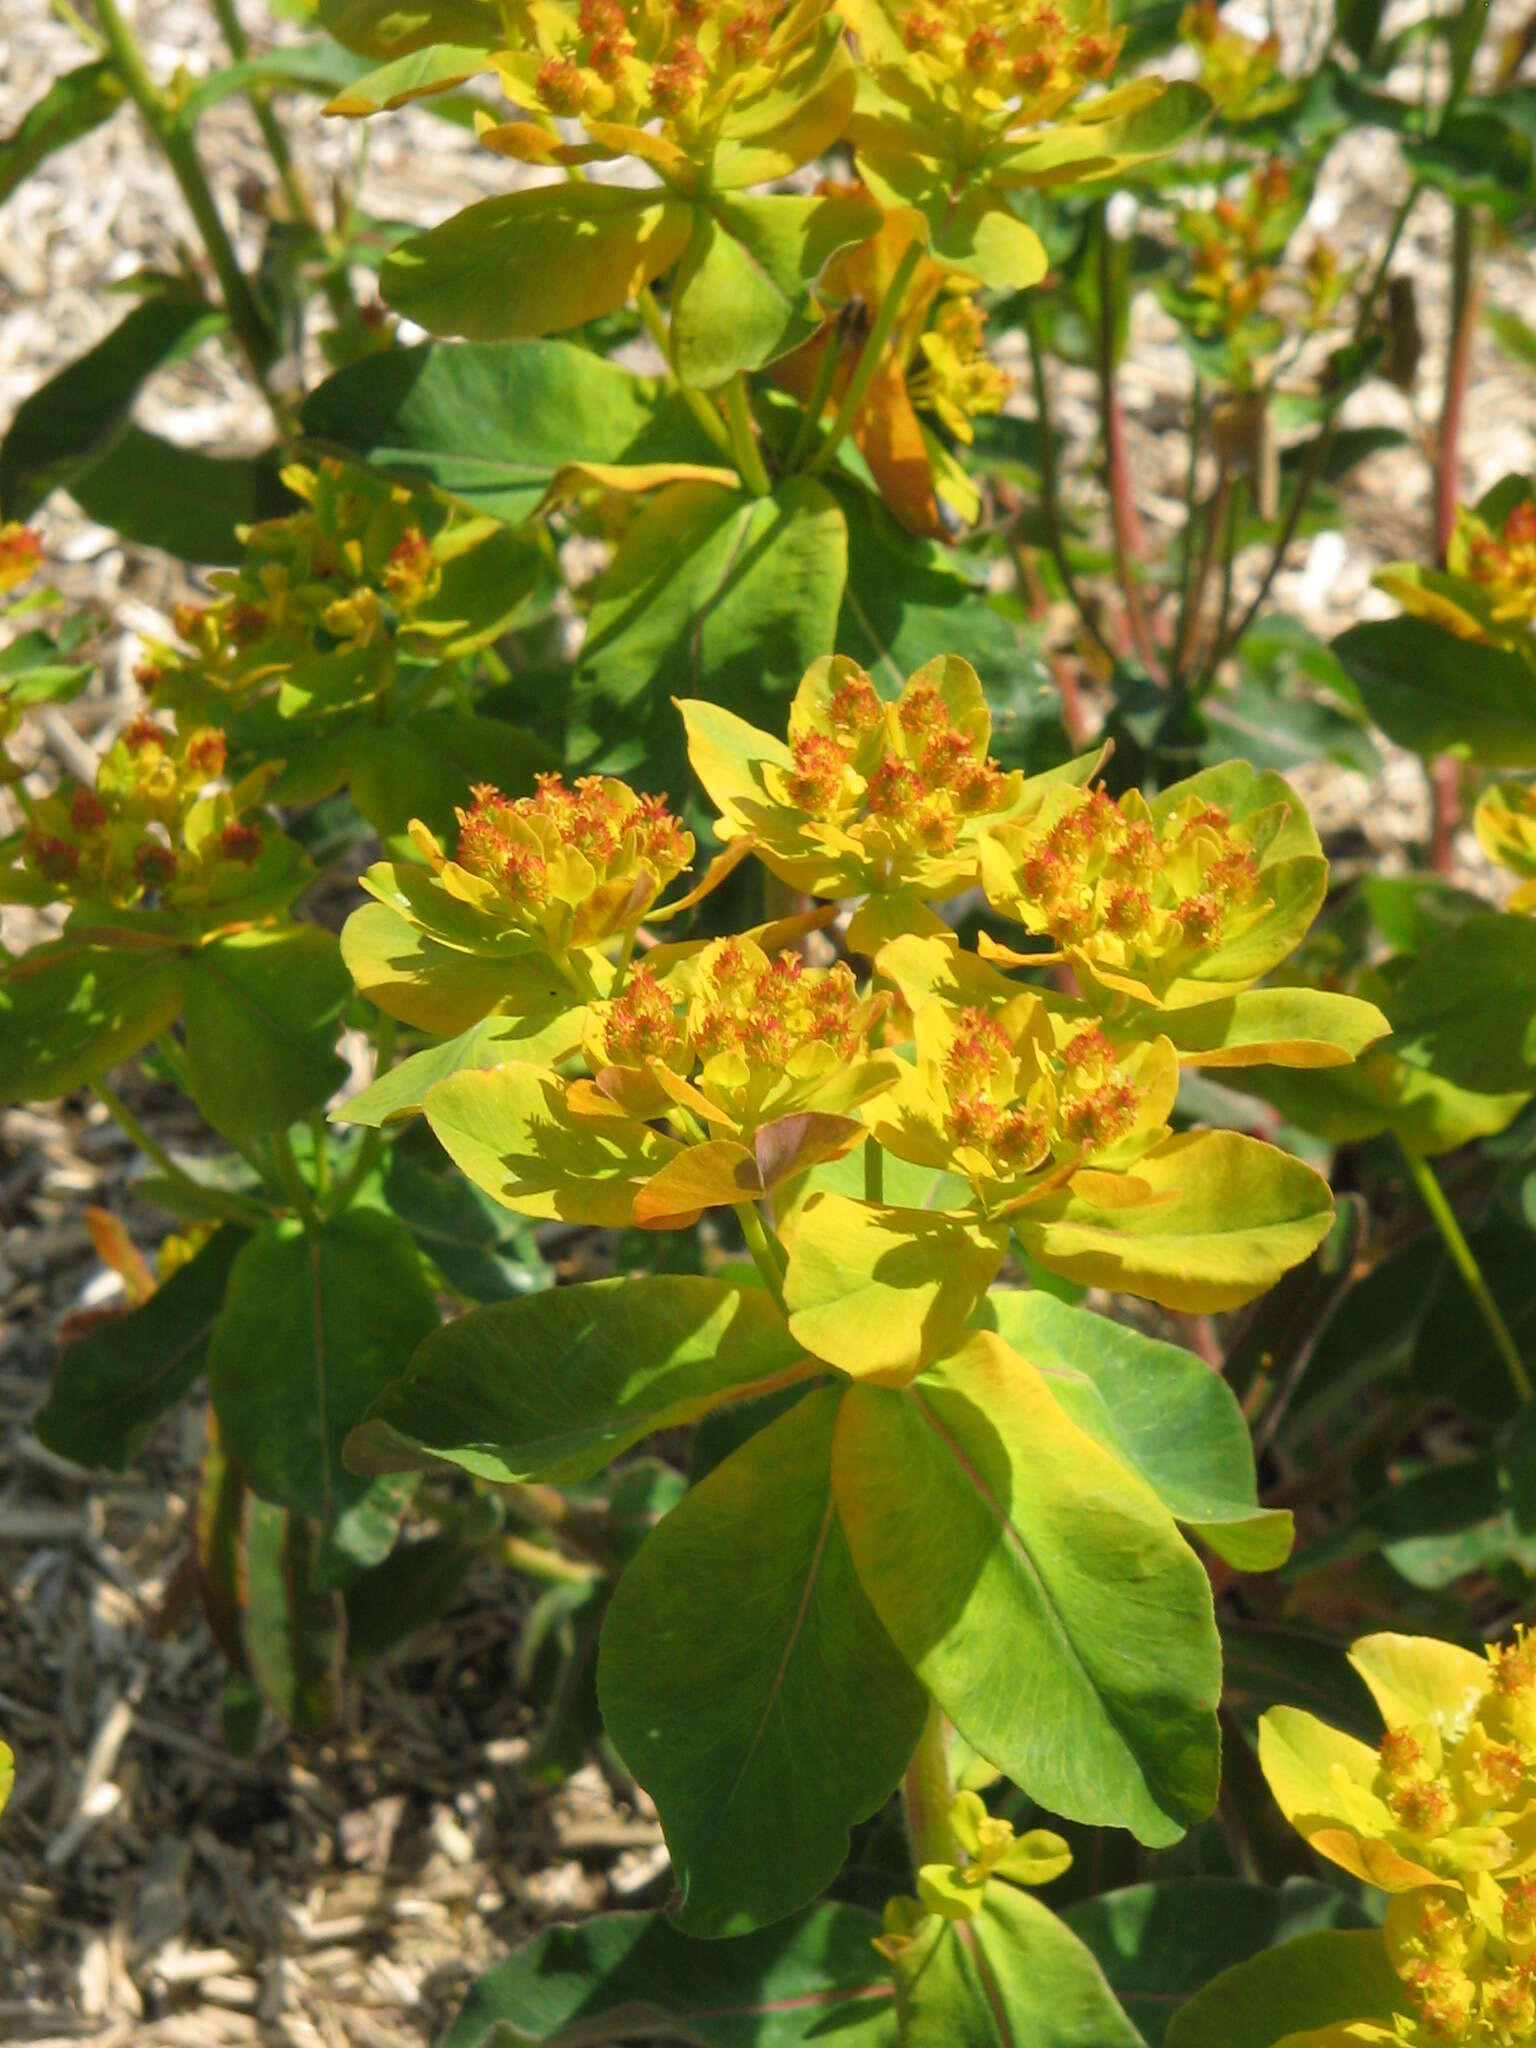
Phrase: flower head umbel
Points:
(868, 797)
(21, 554)
(1006, 1095)
(1238, 71)
(1214, 881)
(1505, 822)
(157, 830)
(1500, 559)
(734, 1036)
(746, 88)
(569, 866)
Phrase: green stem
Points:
(816, 404)
(654, 323)
(295, 1187)
(318, 1145)
(763, 1257)
(749, 458)
(259, 100)
(1465, 1262)
(926, 1796)
(874, 1172)
(229, 1206)
(537, 1562)
(180, 152)
(869, 358)
(1050, 487)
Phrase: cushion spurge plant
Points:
(889, 1116)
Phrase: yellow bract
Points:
(1506, 830)
(1441, 1813)
(1502, 561)
(749, 88)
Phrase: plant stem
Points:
(655, 325)
(238, 43)
(295, 1187)
(229, 1206)
(816, 404)
(1318, 453)
(317, 1141)
(1464, 1260)
(1466, 299)
(1050, 498)
(1124, 525)
(180, 152)
(749, 457)
(926, 1796)
(535, 1561)
(763, 1255)
(874, 1172)
(870, 357)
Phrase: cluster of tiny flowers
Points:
(916, 785)
(1016, 1106)
(1102, 880)
(632, 61)
(21, 554)
(1229, 274)
(1233, 67)
(958, 382)
(514, 842)
(745, 1005)
(345, 574)
(1469, 1970)
(1502, 563)
(127, 837)
(1006, 63)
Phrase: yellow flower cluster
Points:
(152, 828)
(1505, 823)
(1442, 1814)
(21, 554)
(1124, 894)
(342, 578)
(1231, 276)
(1234, 69)
(1502, 562)
(958, 382)
(992, 66)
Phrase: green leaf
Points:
(493, 423)
(748, 1685)
(908, 601)
(472, 1243)
(712, 594)
(292, 1631)
(1085, 148)
(263, 1008)
(1514, 336)
(70, 422)
(179, 499)
(420, 73)
(1157, 1408)
(69, 1011)
(509, 1129)
(424, 767)
(316, 1325)
(988, 242)
(1159, 1943)
(815, 1980)
(1466, 1009)
(72, 106)
(560, 1383)
(1314, 1982)
(882, 1292)
(743, 292)
(1292, 1027)
(536, 262)
(391, 28)
(1038, 1588)
(1439, 694)
(1229, 1215)
(538, 1041)
(114, 1383)
(1013, 1976)
(424, 983)
(1382, 1093)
